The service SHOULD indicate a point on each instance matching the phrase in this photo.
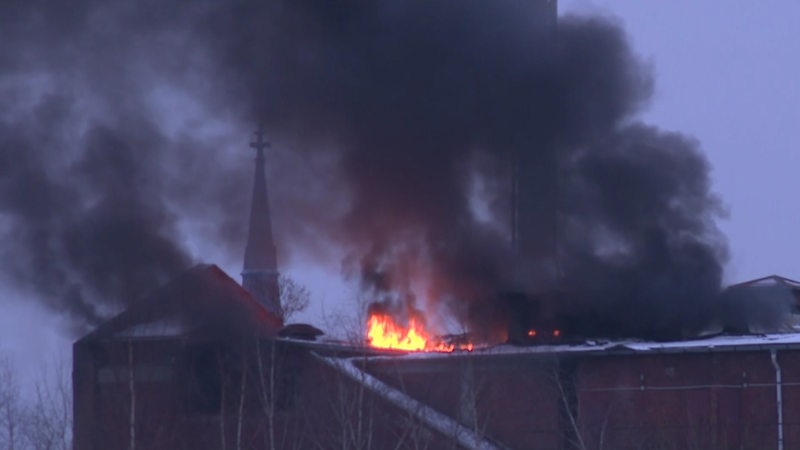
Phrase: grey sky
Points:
(727, 73)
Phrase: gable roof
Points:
(770, 280)
(203, 300)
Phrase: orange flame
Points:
(384, 332)
(533, 333)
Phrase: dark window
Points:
(204, 380)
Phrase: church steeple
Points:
(260, 274)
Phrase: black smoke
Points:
(392, 121)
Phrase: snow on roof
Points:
(434, 419)
(600, 347)
(156, 328)
(744, 342)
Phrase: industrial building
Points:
(207, 363)
(155, 377)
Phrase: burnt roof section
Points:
(201, 302)
(596, 348)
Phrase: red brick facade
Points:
(218, 377)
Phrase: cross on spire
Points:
(260, 144)
(260, 271)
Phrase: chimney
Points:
(260, 274)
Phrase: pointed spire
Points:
(260, 274)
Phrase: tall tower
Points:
(260, 274)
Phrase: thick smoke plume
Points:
(395, 126)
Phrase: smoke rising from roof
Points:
(397, 123)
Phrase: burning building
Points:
(204, 363)
(495, 175)
(199, 365)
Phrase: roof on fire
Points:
(719, 343)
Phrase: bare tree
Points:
(349, 320)
(48, 421)
(10, 406)
(242, 388)
(275, 377)
(132, 390)
(266, 379)
(295, 296)
(353, 411)
(574, 434)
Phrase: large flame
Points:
(384, 332)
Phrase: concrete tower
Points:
(260, 274)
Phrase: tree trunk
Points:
(132, 389)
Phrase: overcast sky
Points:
(726, 73)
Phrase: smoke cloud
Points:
(395, 127)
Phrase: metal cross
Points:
(260, 144)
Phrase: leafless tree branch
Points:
(295, 297)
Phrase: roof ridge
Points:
(778, 278)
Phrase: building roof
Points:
(204, 299)
(762, 305)
(770, 280)
(718, 343)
